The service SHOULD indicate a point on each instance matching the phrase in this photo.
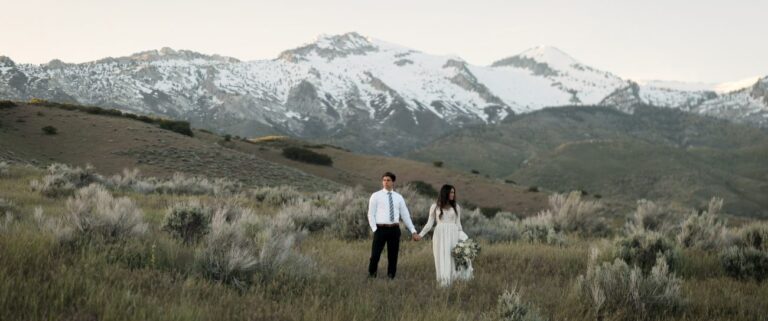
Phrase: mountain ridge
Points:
(361, 93)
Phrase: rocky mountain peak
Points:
(166, 54)
(330, 47)
(541, 60)
(549, 55)
(760, 90)
(6, 62)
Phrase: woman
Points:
(447, 233)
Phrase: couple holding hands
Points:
(385, 210)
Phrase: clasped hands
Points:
(416, 237)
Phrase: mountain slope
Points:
(350, 90)
(111, 144)
(652, 153)
(114, 143)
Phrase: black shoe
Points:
(371, 275)
(390, 276)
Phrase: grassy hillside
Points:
(112, 143)
(634, 169)
(354, 169)
(656, 153)
(154, 276)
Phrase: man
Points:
(385, 209)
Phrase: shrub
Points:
(652, 217)
(7, 210)
(196, 185)
(5, 169)
(240, 250)
(305, 216)
(6, 206)
(504, 227)
(418, 204)
(50, 130)
(706, 231)
(188, 221)
(533, 189)
(276, 196)
(63, 180)
(539, 229)
(6, 220)
(748, 258)
(307, 156)
(179, 183)
(745, 262)
(348, 209)
(490, 212)
(93, 213)
(145, 119)
(178, 126)
(227, 137)
(642, 249)
(617, 288)
(511, 307)
(754, 235)
(424, 188)
(7, 104)
(474, 171)
(572, 214)
(438, 163)
(228, 255)
(126, 181)
(566, 214)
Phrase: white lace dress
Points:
(447, 233)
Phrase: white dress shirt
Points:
(378, 210)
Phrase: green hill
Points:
(654, 153)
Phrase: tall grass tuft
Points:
(5, 169)
(511, 307)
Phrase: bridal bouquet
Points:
(464, 252)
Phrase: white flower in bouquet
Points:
(464, 252)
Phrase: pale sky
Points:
(700, 41)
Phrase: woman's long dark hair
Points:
(444, 199)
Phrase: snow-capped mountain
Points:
(747, 105)
(361, 93)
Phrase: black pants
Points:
(391, 237)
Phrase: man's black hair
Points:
(391, 175)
